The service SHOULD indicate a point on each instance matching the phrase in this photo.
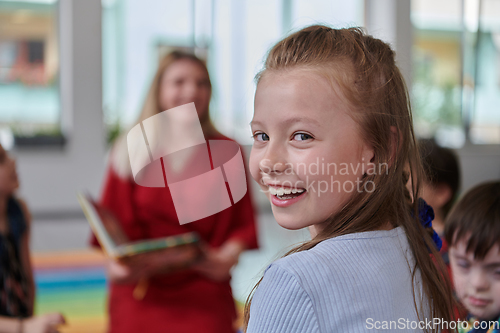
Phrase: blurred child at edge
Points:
(440, 188)
(472, 231)
(17, 288)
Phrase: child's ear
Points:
(369, 154)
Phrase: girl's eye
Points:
(301, 136)
(463, 264)
(260, 136)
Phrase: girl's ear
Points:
(368, 155)
(368, 161)
(394, 142)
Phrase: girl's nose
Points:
(273, 162)
(267, 166)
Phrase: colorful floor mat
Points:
(74, 284)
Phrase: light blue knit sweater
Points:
(352, 283)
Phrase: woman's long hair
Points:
(119, 158)
(375, 93)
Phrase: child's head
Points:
(473, 234)
(334, 144)
(8, 175)
(442, 176)
(315, 129)
(332, 119)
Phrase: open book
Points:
(184, 249)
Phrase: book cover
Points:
(183, 249)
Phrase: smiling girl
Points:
(328, 98)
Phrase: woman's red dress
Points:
(184, 301)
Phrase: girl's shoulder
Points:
(368, 273)
(347, 254)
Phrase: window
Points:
(29, 69)
(237, 35)
(456, 77)
(484, 66)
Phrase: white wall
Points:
(50, 177)
(479, 164)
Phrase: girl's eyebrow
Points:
(292, 120)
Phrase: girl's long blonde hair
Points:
(119, 158)
(375, 92)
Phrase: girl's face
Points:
(185, 81)
(307, 156)
(8, 175)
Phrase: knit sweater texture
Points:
(360, 282)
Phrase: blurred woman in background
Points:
(197, 299)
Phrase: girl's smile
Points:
(298, 121)
(285, 196)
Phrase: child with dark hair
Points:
(441, 184)
(473, 234)
(442, 181)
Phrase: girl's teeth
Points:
(282, 191)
